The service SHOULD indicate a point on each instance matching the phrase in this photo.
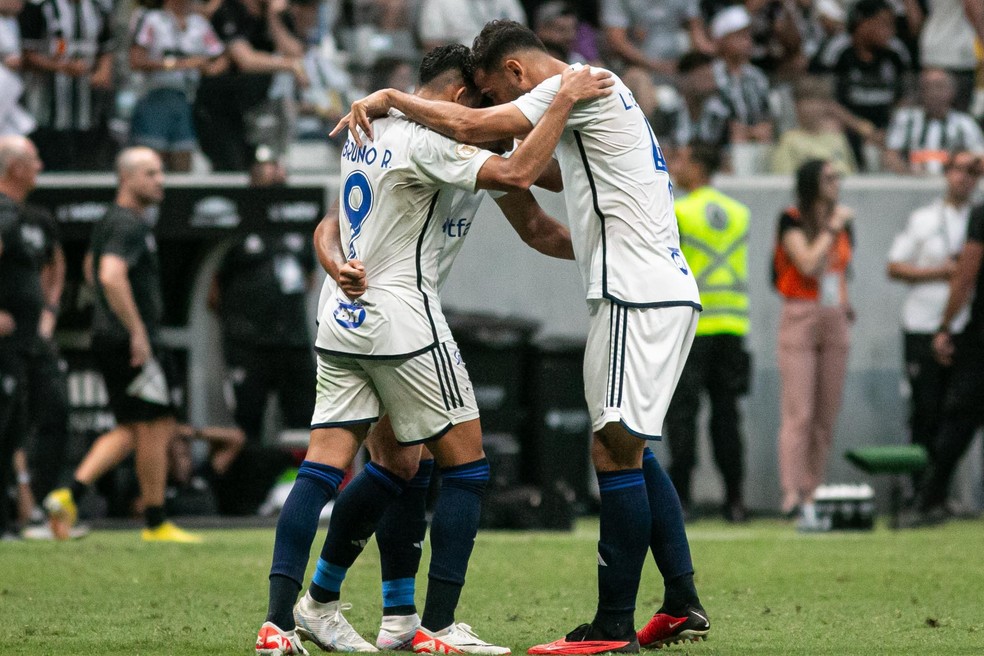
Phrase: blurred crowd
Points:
(873, 85)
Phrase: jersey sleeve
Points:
(534, 104)
(146, 30)
(212, 45)
(445, 161)
(126, 242)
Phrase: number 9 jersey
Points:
(391, 190)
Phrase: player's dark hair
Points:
(501, 38)
(692, 61)
(863, 10)
(808, 184)
(440, 60)
(707, 156)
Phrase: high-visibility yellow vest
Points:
(714, 239)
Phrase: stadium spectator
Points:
(965, 352)
(239, 110)
(173, 46)
(10, 41)
(556, 24)
(739, 112)
(813, 250)
(648, 34)
(777, 42)
(714, 241)
(678, 111)
(920, 138)
(819, 134)
(22, 254)
(391, 73)
(126, 325)
(870, 66)
(68, 64)
(459, 21)
(13, 118)
(947, 41)
(924, 257)
(817, 22)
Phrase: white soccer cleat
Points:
(396, 632)
(325, 626)
(272, 641)
(456, 639)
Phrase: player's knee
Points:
(404, 466)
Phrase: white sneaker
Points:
(272, 641)
(396, 632)
(456, 639)
(324, 625)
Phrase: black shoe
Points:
(917, 518)
(735, 513)
(665, 628)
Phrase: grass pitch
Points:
(768, 590)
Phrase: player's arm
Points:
(961, 287)
(52, 286)
(551, 178)
(531, 157)
(535, 227)
(350, 275)
(114, 278)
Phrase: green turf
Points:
(768, 590)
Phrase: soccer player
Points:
(402, 528)
(125, 331)
(391, 351)
(643, 305)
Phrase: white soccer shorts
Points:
(633, 360)
(424, 395)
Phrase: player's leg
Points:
(724, 387)
(152, 446)
(346, 405)
(48, 403)
(681, 424)
(400, 534)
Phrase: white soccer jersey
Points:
(391, 191)
(159, 32)
(619, 200)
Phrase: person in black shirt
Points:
(125, 332)
(230, 109)
(870, 68)
(963, 409)
(21, 300)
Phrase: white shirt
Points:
(390, 198)
(450, 21)
(619, 200)
(933, 235)
(160, 34)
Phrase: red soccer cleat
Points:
(585, 639)
(664, 629)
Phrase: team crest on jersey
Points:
(678, 260)
(465, 151)
(349, 315)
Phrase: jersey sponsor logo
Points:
(32, 236)
(349, 315)
(151, 243)
(456, 227)
(678, 260)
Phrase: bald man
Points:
(21, 300)
(125, 330)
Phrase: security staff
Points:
(22, 247)
(714, 240)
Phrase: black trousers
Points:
(47, 410)
(963, 413)
(12, 425)
(255, 371)
(719, 365)
(928, 382)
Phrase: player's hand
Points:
(7, 324)
(352, 279)
(74, 67)
(583, 84)
(943, 348)
(139, 348)
(841, 217)
(101, 78)
(375, 105)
